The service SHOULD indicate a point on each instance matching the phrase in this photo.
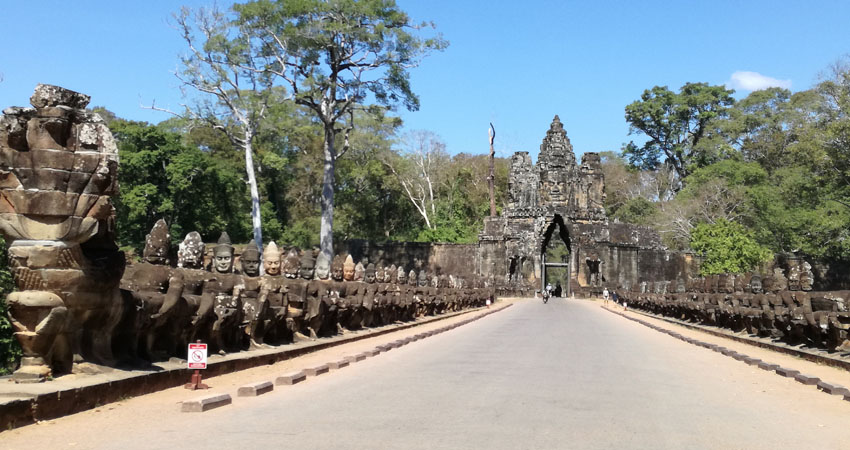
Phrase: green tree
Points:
(224, 67)
(727, 247)
(335, 56)
(675, 124)
(160, 177)
(10, 351)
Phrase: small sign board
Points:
(197, 356)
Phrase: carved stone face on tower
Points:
(554, 186)
(557, 165)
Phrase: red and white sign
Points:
(197, 358)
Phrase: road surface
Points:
(567, 374)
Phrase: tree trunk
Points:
(326, 234)
(255, 195)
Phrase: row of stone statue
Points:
(238, 308)
(763, 306)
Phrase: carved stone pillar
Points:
(58, 166)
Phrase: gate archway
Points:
(555, 255)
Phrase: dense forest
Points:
(739, 181)
(390, 185)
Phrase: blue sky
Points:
(515, 64)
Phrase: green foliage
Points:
(160, 177)
(637, 210)
(727, 248)
(10, 351)
(675, 125)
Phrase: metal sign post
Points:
(196, 359)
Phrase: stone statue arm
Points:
(172, 295)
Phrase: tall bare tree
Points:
(335, 56)
(222, 65)
(418, 167)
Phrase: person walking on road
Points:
(605, 295)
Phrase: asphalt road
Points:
(566, 374)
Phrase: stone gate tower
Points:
(557, 194)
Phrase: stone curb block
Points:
(291, 378)
(371, 352)
(318, 370)
(768, 366)
(205, 403)
(833, 389)
(255, 389)
(753, 361)
(740, 356)
(336, 365)
(787, 373)
(806, 379)
(356, 358)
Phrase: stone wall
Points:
(436, 258)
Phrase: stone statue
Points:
(190, 253)
(291, 264)
(250, 260)
(807, 278)
(223, 255)
(348, 268)
(224, 290)
(359, 271)
(154, 323)
(255, 305)
(59, 167)
(157, 244)
(271, 260)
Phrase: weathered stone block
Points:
(356, 358)
(255, 389)
(806, 379)
(47, 133)
(832, 389)
(336, 365)
(768, 366)
(206, 403)
(316, 371)
(786, 372)
(60, 159)
(291, 378)
(46, 95)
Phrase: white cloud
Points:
(754, 81)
